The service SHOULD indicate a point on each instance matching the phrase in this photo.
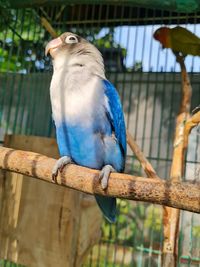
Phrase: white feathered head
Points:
(70, 50)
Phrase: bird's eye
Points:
(71, 39)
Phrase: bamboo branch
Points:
(171, 216)
(179, 195)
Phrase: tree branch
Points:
(192, 122)
(48, 27)
(179, 195)
(171, 217)
(146, 165)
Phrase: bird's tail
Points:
(108, 207)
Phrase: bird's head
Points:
(163, 36)
(71, 50)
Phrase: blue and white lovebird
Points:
(87, 112)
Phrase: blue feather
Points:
(96, 146)
(108, 207)
(115, 114)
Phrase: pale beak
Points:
(55, 43)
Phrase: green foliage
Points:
(5, 13)
(24, 38)
(9, 62)
(138, 227)
(5, 263)
(153, 219)
(138, 66)
(107, 41)
(135, 221)
(4, 4)
(196, 231)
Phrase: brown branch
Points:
(48, 27)
(192, 122)
(171, 216)
(179, 195)
(147, 167)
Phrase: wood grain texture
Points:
(174, 194)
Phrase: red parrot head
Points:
(163, 36)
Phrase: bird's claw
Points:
(179, 57)
(104, 175)
(59, 165)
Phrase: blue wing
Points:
(116, 118)
(115, 115)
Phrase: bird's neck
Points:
(80, 67)
(167, 38)
(73, 97)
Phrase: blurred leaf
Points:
(153, 218)
(196, 231)
(5, 13)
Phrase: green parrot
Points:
(179, 39)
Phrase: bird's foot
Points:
(179, 57)
(60, 164)
(104, 175)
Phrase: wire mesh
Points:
(148, 82)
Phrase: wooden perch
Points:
(179, 195)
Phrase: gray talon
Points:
(104, 175)
(60, 164)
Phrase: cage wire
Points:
(149, 83)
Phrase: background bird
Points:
(179, 39)
(87, 112)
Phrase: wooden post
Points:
(43, 224)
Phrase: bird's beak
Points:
(55, 43)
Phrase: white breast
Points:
(75, 97)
